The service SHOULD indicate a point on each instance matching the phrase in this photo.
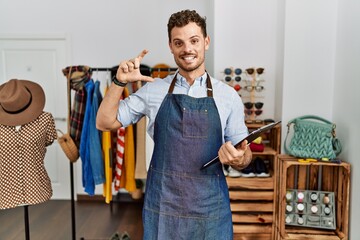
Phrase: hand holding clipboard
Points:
(251, 137)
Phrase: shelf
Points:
(251, 195)
(252, 236)
(307, 176)
(259, 218)
(251, 183)
(253, 228)
(267, 151)
(252, 206)
(252, 200)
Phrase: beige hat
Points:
(21, 101)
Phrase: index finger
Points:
(242, 145)
(142, 54)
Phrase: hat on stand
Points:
(21, 101)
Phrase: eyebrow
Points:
(178, 39)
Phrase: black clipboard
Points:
(251, 137)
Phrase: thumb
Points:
(146, 78)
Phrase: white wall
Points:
(245, 36)
(346, 97)
(316, 51)
(321, 69)
(309, 59)
(102, 32)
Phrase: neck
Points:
(191, 76)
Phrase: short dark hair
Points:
(184, 17)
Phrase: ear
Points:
(207, 42)
(171, 50)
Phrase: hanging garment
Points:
(128, 167)
(87, 175)
(77, 115)
(23, 177)
(78, 77)
(94, 140)
(128, 173)
(107, 153)
(120, 146)
(140, 164)
(181, 200)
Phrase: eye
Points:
(194, 40)
(178, 43)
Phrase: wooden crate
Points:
(252, 199)
(252, 205)
(335, 178)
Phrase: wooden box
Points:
(332, 177)
(252, 199)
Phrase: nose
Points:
(187, 47)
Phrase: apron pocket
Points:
(184, 195)
(195, 123)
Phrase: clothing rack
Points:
(112, 70)
(141, 68)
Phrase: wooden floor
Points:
(52, 220)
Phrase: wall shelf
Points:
(252, 200)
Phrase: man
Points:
(192, 119)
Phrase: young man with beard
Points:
(192, 119)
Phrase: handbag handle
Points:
(286, 148)
(311, 117)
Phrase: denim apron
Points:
(182, 201)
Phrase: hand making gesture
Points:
(129, 70)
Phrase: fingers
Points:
(226, 151)
(228, 154)
(129, 70)
(139, 58)
(142, 54)
(130, 65)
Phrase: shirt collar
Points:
(198, 81)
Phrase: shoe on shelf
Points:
(249, 171)
(125, 236)
(261, 169)
(233, 172)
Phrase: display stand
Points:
(252, 86)
(252, 199)
(252, 94)
(73, 220)
(300, 176)
(26, 221)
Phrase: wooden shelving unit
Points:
(252, 200)
(334, 177)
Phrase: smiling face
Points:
(188, 45)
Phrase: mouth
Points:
(189, 59)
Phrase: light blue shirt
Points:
(147, 100)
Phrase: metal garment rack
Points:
(141, 68)
(92, 70)
(26, 221)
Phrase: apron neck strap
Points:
(208, 85)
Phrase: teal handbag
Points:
(313, 137)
